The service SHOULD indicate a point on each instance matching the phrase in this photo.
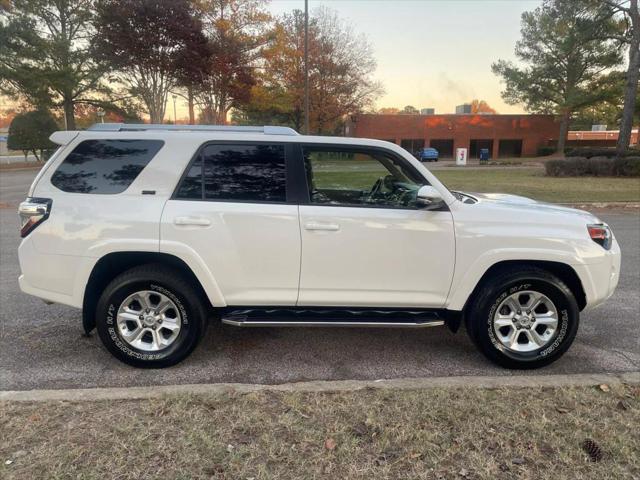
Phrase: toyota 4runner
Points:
(152, 230)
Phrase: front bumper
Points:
(600, 279)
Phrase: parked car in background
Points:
(153, 230)
(427, 154)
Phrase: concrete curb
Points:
(135, 393)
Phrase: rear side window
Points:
(104, 166)
(242, 172)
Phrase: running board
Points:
(332, 318)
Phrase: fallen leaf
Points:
(360, 429)
(562, 410)
(622, 405)
(604, 387)
(518, 461)
(464, 473)
(8, 462)
(330, 444)
(546, 449)
(504, 467)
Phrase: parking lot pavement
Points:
(43, 346)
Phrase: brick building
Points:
(503, 135)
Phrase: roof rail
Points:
(138, 127)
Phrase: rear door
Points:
(231, 212)
(365, 242)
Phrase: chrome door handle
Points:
(192, 221)
(330, 227)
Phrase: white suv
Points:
(153, 229)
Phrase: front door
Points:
(364, 240)
(230, 214)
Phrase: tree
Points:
(144, 42)
(388, 111)
(236, 31)
(341, 67)
(409, 110)
(480, 106)
(30, 132)
(628, 9)
(45, 53)
(564, 60)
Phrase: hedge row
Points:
(546, 151)
(590, 152)
(594, 166)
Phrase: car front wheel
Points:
(523, 318)
(150, 317)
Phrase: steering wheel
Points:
(387, 182)
(377, 188)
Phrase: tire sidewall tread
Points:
(164, 280)
(505, 283)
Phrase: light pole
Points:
(174, 108)
(306, 67)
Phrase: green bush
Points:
(628, 166)
(608, 152)
(545, 151)
(30, 132)
(594, 166)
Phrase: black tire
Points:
(480, 314)
(168, 282)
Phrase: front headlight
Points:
(601, 234)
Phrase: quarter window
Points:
(104, 166)
(242, 172)
(359, 178)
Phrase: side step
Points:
(314, 317)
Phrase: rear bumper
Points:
(50, 277)
(46, 295)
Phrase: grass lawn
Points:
(524, 433)
(532, 182)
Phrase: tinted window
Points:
(351, 177)
(104, 166)
(250, 173)
(191, 186)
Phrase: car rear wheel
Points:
(150, 317)
(523, 318)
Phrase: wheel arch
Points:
(115, 263)
(561, 270)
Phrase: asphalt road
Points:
(43, 346)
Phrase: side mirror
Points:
(429, 198)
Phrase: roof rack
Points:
(138, 127)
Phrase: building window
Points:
(412, 145)
(444, 147)
(510, 148)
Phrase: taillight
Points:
(601, 234)
(33, 211)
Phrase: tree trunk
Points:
(69, 116)
(564, 131)
(192, 115)
(631, 85)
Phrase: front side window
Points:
(359, 178)
(104, 166)
(236, 172)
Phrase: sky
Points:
(433, 53)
